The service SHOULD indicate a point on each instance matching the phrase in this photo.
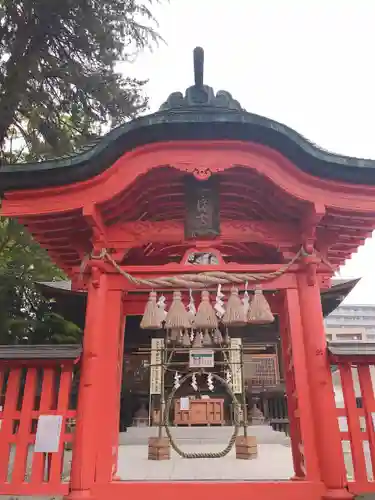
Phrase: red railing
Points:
(28, 392)
(355, 402)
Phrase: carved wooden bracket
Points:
(95, 276)
(309, 225)
(311, 263)
(94, 219)
(202, 171)
(202, 174)
(206, 256)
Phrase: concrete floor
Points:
(274, 461)
(203, 435)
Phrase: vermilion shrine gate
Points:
(277, 211)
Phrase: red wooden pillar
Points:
(303, 439)
(117, 395)
(88, 426)
(110, 386)
(294, 428)
(98, 398)
(120, 361)
(327, 432)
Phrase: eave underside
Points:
(260, 223)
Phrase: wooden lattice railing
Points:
(27, 393)
(354, 394)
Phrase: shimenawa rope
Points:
(218, 454)
(196, 280)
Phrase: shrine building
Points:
(210, 235)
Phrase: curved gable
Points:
(199, 115)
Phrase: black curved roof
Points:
(199, 115)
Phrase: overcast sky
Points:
(308, 64)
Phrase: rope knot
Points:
(100, 256)
(306, 253)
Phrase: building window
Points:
(348, 336)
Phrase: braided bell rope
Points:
(218, 454)
(196, 280)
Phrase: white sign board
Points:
(235, 365)
(48, 432)
(184, 404)
(156, 368)
(201, 358)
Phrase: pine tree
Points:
(58, 83)
(58, 89)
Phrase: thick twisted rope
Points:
(197, 280)
(218, 454)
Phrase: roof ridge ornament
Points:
(200, 95)
(198, 55)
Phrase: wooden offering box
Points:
(200, 412)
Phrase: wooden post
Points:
(291, 393)
(110, 385)
(120, 360)
(327, 432)
(306, 440)
(87, 421)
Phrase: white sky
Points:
(308, 64)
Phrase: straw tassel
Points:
(177, 316)
(174, 335)
(185, 341)
(205, 317)
(234, 314)
(218, 338)
(259, 309)
(207, 341)
(227, 337)
(198, 340)
(151, 319)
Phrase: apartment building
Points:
(350, 322)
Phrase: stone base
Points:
(79, 495)
(159, 448)
(341, 495)
(246, 447)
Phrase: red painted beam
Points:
(215, 156)
(263, 232)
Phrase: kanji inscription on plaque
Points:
(202, 208)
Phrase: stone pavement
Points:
(274, 461)
(203, 435)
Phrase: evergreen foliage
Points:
(58, 90)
